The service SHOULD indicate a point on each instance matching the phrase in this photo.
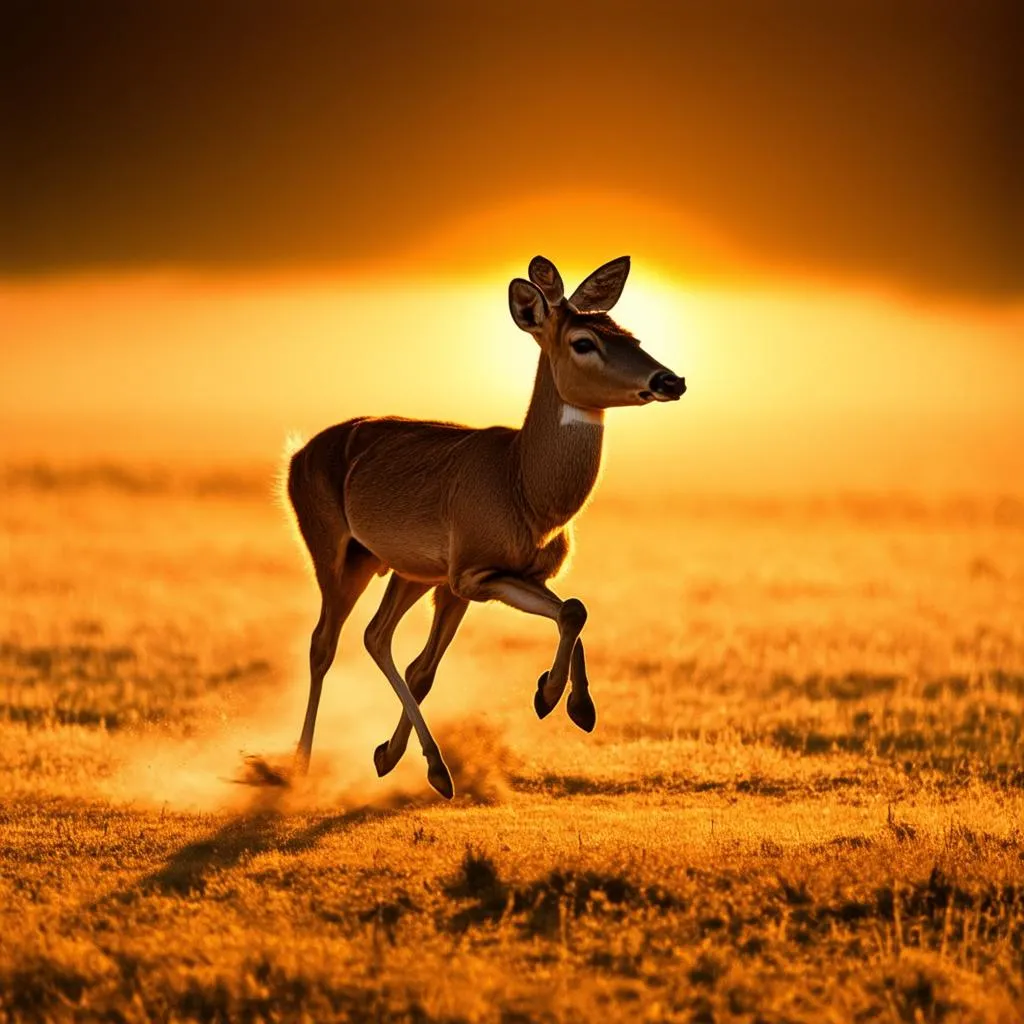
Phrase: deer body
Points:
(433, 500)
(476, 514)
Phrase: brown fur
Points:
(479, 514)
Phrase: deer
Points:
(473, 514)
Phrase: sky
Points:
(221, 221)
(873, 141)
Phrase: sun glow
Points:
(799, 387)
(657, 312)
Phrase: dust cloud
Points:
(240, 758)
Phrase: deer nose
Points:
(668, 384)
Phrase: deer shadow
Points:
(189, 870)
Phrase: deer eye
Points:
(583, 345)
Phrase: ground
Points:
(803, 799)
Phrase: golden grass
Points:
(803, 800)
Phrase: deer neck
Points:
(558, 453)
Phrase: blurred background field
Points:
(803, 799)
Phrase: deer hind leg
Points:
(343, 568)
(536, 599)
(448, 613)
(342, 581)
(400, 596)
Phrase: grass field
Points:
(804, 799)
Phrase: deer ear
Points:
(602, 289)
(546, 277)
(527, 305)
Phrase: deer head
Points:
(596, 364)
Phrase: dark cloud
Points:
(869, 139)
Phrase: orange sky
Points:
(223, 221)
(873, 141)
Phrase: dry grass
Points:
(803, 800)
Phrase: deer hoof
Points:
(540, 702)
(439, 777)
(582, 711)
(381, 761)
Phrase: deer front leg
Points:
(448, 613)
(536, 599)
(580, 706)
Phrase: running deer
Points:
(474, 514)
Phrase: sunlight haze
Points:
(788, 388)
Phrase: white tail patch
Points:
(293, 442)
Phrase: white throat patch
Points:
(574, 414)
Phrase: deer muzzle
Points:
(667, 387)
